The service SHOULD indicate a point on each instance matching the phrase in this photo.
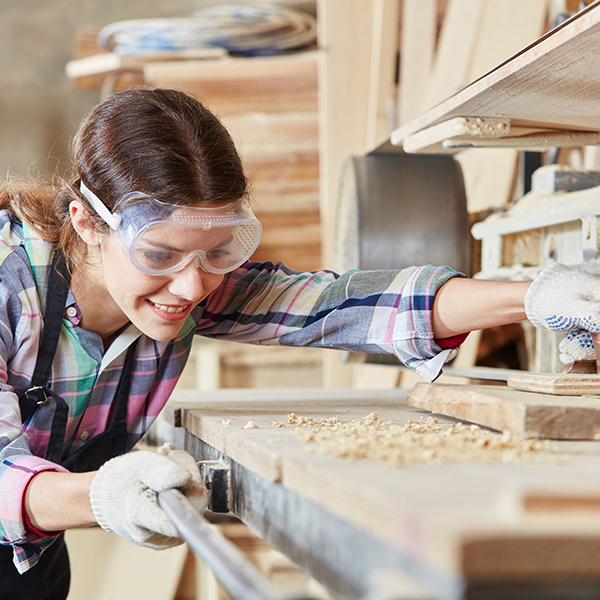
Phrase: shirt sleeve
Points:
(359, 311)
(20, 328)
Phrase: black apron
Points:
(49, 579)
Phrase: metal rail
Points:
(241, 579)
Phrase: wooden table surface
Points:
(472, 522)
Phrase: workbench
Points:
(452, 531)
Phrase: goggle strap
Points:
(113, 221)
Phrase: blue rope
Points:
(240, 29)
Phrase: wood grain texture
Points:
(549, 83)
(503, 409)
(561, 384)
(460, 520)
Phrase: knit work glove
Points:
(577, 346)
(564, 299)
(124, 499)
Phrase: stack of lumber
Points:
(475, 37)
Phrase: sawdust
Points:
(427, 441)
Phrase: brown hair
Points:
(158, 141)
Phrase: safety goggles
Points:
(163, 238)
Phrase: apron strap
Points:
(122, 395)
(56, 297)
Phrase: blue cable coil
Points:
(246, 30)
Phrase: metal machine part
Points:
(215, 476)
(400, 210)
(241, 579)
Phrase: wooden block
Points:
(560, 384)
(524, 413)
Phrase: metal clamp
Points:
(215, 476)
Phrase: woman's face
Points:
(157, 305)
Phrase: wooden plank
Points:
(560, 384)
(524, 413)
(109, 62)
(345, 28)
(382, 78)
(507, 26)
(431, 139)
(456, 50)
(457, 523)
(419, 28)
(547, 84)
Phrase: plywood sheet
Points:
(504, 409)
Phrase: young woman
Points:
(104, 281)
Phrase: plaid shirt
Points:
(261, 303)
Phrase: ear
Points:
(83, 225)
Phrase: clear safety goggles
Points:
(163, 238)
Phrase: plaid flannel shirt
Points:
(261, 303)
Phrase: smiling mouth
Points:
(170, 309)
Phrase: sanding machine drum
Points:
(400, 210)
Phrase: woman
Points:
(105, 281)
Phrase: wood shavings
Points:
(250, 425)
(417, 442)
(227, 422)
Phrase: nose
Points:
(193, 284)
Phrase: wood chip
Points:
(418, 441)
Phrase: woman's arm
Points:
(463, 305)
(57, 501)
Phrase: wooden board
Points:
(481, 522)
(561, 384)
(503, 409)
(546, 84)
(419, 19)
(456, 50)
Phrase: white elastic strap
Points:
(111, 220)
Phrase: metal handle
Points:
(241, 579)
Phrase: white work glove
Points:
(575, 347)
(564, 299)
(124, 500)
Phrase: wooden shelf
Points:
(551, 86)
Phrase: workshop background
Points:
(296, 118)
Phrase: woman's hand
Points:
(564, 299)
(124, 494)
(577, 346)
